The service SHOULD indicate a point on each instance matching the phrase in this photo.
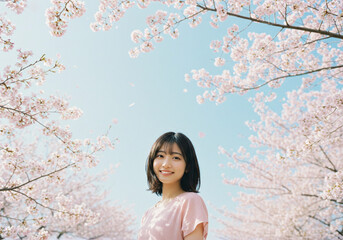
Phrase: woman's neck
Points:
(171, 191)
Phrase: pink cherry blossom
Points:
(200, 99)
(60, 12)
(6, 29)
(136, 36)
(259, 59)
(175, 33)
(215, 45)
(17, 6)
(134, 53)
(222, 13)
(43, 179)
(110, 11)
(295, 171)
(218, 62)
(146, 46)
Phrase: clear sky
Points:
(103, 81)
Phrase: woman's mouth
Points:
(166, 173)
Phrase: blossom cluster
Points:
(45, 190)
(163, 23)
(17, 6)
(263, 61)
(78, 206)
(293, 181)
(25, 109)
(61, 11)
(43, 166)
(334, 186)
(300, 48)
(6, 29)
(110, 11)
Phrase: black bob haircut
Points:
(190, 181)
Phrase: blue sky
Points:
(97, 79)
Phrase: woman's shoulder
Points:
(190, 196)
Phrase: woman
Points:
(173, 172)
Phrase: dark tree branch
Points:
(327, 157)
(288, 76)
(35, 179)
(305, 29)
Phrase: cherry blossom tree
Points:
(46, 189)
(293, 180)
(306, 40)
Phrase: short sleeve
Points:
(194, 212)
(143, 220)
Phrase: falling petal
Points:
(115, 120)
(132, 104)
(201, 134)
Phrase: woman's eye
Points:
(177, 158)
(160, 156)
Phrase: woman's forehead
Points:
(170, 147)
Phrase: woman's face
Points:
(169, 167)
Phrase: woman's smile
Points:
(169, 167)
(166, 173)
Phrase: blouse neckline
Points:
(165, 202)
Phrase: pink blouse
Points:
(175, 219)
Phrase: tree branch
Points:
(35, 179)
(288, 76)
(305, 29)
(327, 157)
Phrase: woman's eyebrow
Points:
(162, 151)
(177, 153)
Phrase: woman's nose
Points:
(166, 162)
